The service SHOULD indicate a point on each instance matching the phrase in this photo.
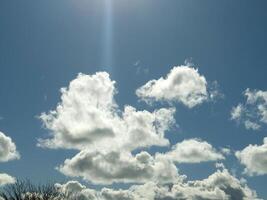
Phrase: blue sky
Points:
(45, 44)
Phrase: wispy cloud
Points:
(253, 112)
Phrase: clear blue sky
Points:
(45, 44)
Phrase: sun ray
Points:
(108, 37)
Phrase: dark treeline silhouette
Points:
(25, 190)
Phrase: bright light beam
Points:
(108, 37)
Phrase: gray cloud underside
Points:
(219, 186)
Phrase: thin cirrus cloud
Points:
(8, 152)
(254, 158)
(252, 114)
(183, 84)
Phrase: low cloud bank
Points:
(221, 185)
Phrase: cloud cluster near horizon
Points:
(220, 185)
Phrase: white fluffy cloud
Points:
(223, 181)
(253, 113)
(7, 152)
(111, 145)
(88, 119)
(254, 158)
(194, 151)
(7, 148)
(110, 167)
(183, 84)
(6, 179)
(106, 167)
(85, 114)
(220, 185)
(88, 116)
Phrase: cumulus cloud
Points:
(224, 183)
(7, 152)
(194, 151)
(75, 190)
(102, 167)
(182, 84)
(253, 112)
(110, 167)
(254, 158)
(6, 179)
(221, 185)
(7, 149)
(112, 145)
(84, 115)
(88, 116)
(88, 119)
